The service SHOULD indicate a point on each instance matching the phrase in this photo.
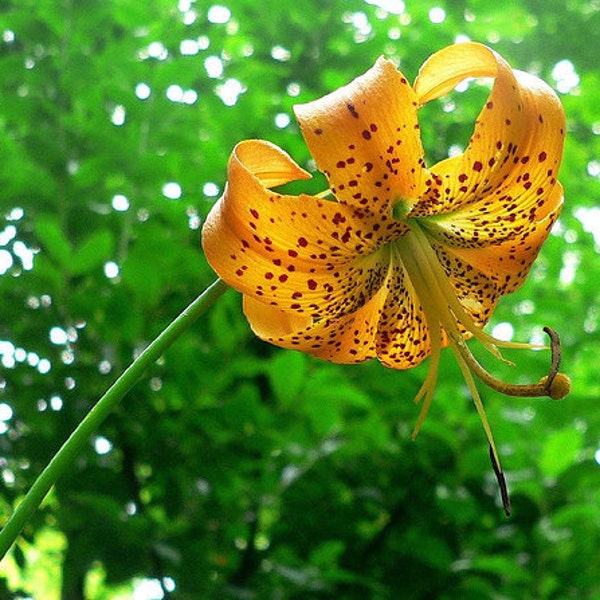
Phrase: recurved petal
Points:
(268, 163)
(346, 339)
(304, 254)
(445, 69)
(507, 263)
(270, 323)
(505, 179)
(365, 138)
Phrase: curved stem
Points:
(77, 440)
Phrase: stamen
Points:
(431, 261)
(426, 391)
(428, 388)
(486, 427)
(555, 385)
(326, 195)
(419, 286)
(443, 309)
(501, 483)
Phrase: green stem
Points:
(92, 421)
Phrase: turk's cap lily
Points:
(396, 260)
(308, 266)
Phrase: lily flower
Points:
(397, 260)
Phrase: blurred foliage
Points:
(237, 470)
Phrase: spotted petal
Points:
(477, 289)
(508, 263)
(403, 336)
(391, 326)
(346, 339)
(504, 182)
(365, 137)
(296, 253)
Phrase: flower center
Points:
(402, 208)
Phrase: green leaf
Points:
(327, 554)
(288, 375)
(93, 252)
(329, 385)
(560, 451)
(498, 565)
(323, 413)
(53, 239)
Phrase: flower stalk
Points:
(105, 405)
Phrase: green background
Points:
(235, 469)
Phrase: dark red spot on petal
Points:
(352, 110)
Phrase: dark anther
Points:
(501, 483)
(556, 355)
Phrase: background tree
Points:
(237, 470)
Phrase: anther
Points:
(555, 385)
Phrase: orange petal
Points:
(269, 323)
(445, 69)
(347, 339)
(268, 163)
(477, 291)
(504, 182)
(507, 264)
(304, 254)
(365, 138)
(403, 338)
